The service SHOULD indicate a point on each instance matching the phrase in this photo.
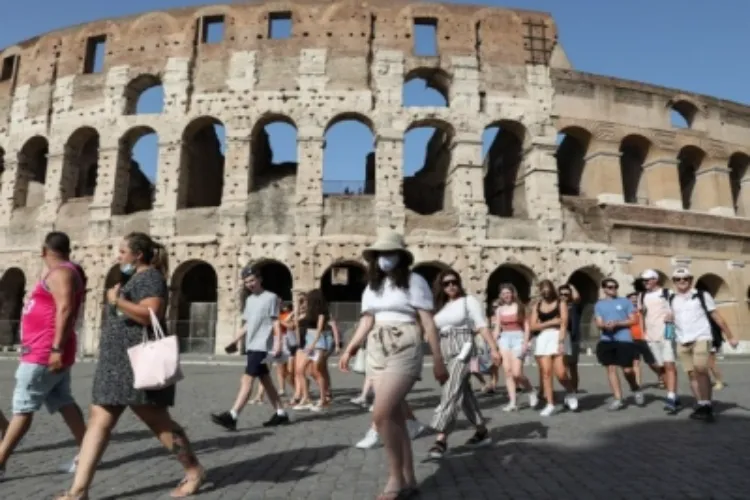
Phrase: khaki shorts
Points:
(694, 355)
(395, 348)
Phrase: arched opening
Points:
(273, 152)
(738, 174)
(342, 285)
(716, 286)
(430, 270)
(587, 282)
(634, 150)
(2, 166)
(136, 166)
(522, 278)
(427, 158)
(193, 307)
(426, 87)
(32, 173)
(349, 157)
(690, 159)
(573, 145)
(682, 114)
(502, 149)
(80, 164)
(276, 278)
(144, 95)
(12, 292)
(202, 164)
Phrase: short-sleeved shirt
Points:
(615, 309)
(690, 320)
(574, 321)
(461, 313)
(261, 310)
(655, 309)
(391, 303)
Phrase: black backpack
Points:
(665, 295)
(716, 332)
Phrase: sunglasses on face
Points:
(680, 280)
(448, 283)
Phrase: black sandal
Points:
(438, 450)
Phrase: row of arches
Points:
(194, 294)
(636, 151)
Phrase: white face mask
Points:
(388, 263)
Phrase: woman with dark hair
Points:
(459, 317)
(395, 304)
(146, 262)
(513, 338)
(319, 343)
(549, 320)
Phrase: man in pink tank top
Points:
(48, 347)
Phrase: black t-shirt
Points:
(574, 321)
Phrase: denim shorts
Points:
(325, 341)
(513, 342)
(36, 385)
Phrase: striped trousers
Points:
(457, 391)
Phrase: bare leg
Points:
(545, 378)
(406, 450)
(637, 371)
(17, 428)
(3, 424)
(517, 373)
(246, 385)
(320, 377)
(73, 417)
(273, 396)
(715, 371)
(300, 370)
(366, 388)
(614, 382)
(510, 381)
(561, 372)
(281, 378)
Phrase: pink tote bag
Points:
(155, 363)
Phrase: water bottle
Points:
(669, 331)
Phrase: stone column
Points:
(663, 183)
(539, 176)
(111, 192)
(743, 199)
(602, 176)
(713, 191)
(309, 190)
(53, 193)
(8, 188)
(389, 177)
(734, 314)
(465, 187)
(170, 184)
(237, 185)
(228, 308)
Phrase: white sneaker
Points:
(371, 407)
(547, 411)
(571, 401)
(510, 407)
(371, 440)
(533, 400)
(359, 401)
(303, 407)
(414, 428)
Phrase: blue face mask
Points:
(127, 269)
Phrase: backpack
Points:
(716, 333)
(665, 295)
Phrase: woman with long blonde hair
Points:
(513, 336)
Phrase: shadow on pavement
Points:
(118, 437)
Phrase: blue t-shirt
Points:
(617, 309)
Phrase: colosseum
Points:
(586, 176)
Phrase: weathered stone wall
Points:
(350, 60)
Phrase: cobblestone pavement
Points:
(594, 454)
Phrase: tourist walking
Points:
(319, 344)
(396, 315)
(48, 347)
(513, 337)
(260, 326)
(549, 320)
(695, 316)
(458, 319)
(642, 350)
(614, 316)
(570, 295)
(129, 313)
(281, 362)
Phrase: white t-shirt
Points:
(396, 304)
(656, 312)
(690, 320)
(453, 314)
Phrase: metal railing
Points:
(195, 336)
(344, 188)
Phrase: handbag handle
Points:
(155, 326)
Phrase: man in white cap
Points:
(653, 305)
(696, 322)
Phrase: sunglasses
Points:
(680, 280)
(448, 283)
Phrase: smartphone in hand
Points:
(231, 348)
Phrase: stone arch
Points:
(503, 158)
(193, 306)
(587, 281)
(739, 177)
(141, 91)
(31, 174)
(430, 270)
(634, 149)
(716, 286)
(150, 24)
(520, 276)
(202, 163)
(136, 192)
(276, 277)
(432, 83)
(349, 140)
(690, 159)
(683, 112)
(12, 292)
(342, 285)
(573, 146)
(272, 157)
(80, 164)
(424, 188)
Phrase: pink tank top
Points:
(38, 323)
(509, 322)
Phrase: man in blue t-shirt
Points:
(614, 317)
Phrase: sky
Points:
(675, 43)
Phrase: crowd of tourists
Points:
(400, 312)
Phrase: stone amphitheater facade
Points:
(625, 190)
